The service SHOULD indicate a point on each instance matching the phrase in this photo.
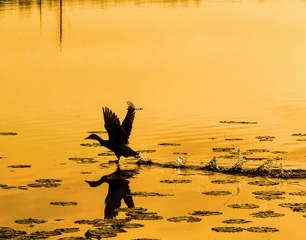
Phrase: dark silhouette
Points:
(118, 134)
(118, 189)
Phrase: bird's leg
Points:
(115, 161)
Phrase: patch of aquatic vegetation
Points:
(238, 122)
(46, 183)
(19, 166)
(145, 239)
(4, 186)
(64, 203)
(142, 214)
(263, 183)
(180, 153)
(67, 230)
(150, 194)
(43, 234)
(269, 195)
(97, 132)
(82, 160)
(9, 233)
(236, 221)
(295, 207)
(108, 227)
(256, 150)
(265, 138)
(188, 219)
(108, 153)
(226, 149)
(224, 181)
(262, 229)
(244, 206)
(301, 139)
(73, 238)
(147, 151)
(228, 229)
(205, 213)
(240, 229)
(301, 193)
(217, 193)
(279, 152)
(90, 144)
(8, 134)
(85, 173)
(267, 214)
(233, 139)
(176, 181)
(298, 134)
(169, 144)
(30, 221)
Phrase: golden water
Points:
(189, 65)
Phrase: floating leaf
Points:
(217, 193)
(244, 206)
(188, 219)
(267, 214)
(205, 213)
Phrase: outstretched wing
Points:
(112, 124)
(128, 120)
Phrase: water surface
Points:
(188, 65)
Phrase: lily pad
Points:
(223, 149)
(8, 133)
(90, 144)
(47, 183)
(261, 229)
(147, 151)
(134, 215)
(205, 213)
(64, 203)
(267, 214)
(269, 195)
(100, 233)
(30, 221)
(233, 139)
(295, 207)
(243, 206)
(43, 234)
(106, 154)
(67, 230)
(217, 193)
(7, 233)
(263, 183)
(150, 194)
(301, 193)
(176, 181)
(188, 219)
(19, 166)
(83, 160)
(265, 138)
(4, 186)
(238, 122)
(236, 221)
(256, 150)
(224, 181)
(169, 144)
(228, 229)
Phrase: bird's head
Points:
(93, 136)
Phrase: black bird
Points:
(118, 134)
(118, 189)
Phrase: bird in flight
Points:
(118, 134)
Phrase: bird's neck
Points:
(101, 141)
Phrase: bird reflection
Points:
(118, 189)
(118, 134)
